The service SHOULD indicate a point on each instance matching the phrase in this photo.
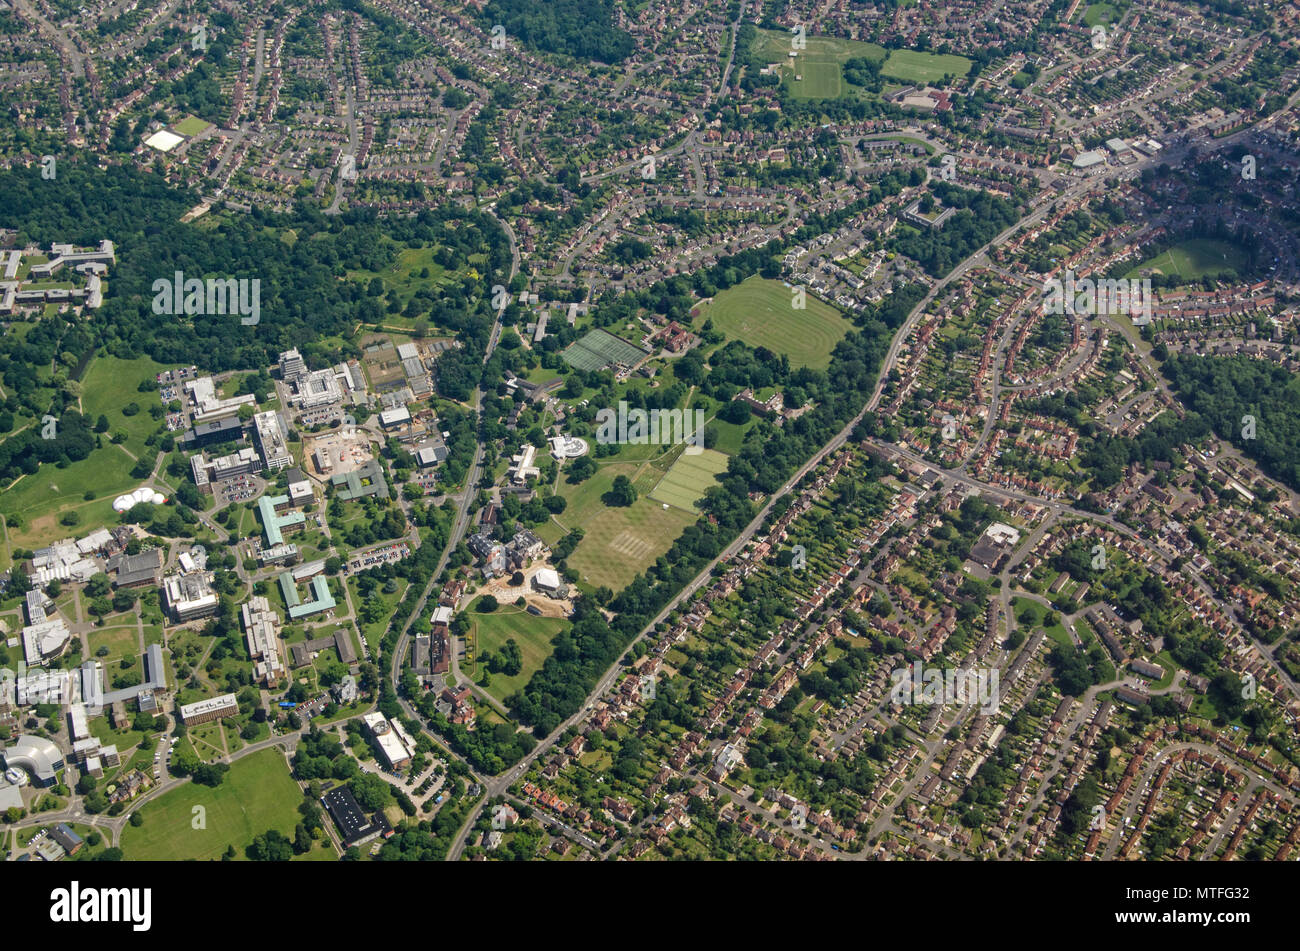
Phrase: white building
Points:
(521, 465)
(189, 596)
(272, 441)
(262, 628)
(388, 741)
(45, 641)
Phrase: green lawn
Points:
(42, 498)
(121, 641)
(818, 65)
(816, 71)
(1100, 13)
(1036, 613)
(685, 483)
(620, 543)
(916, 67)
(1195, 258)
(110, 385)
(191, 125)
(532, 634)
(257, 794)
(760, 312)
(415, 270)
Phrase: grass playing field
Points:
(685, 483)
(816, 72)
(192, 125)
(1100, 13)
(817, 65)
(257, 794)
(760, 313)
(1195, 258)
(916, 67)
(532, 634)
(620, 543)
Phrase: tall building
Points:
(272, 441)
(292, 365)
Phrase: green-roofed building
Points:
(322, 597)
(368, 480)
(278, 516)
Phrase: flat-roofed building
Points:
(262, 628)
(395, 418)
(300, 491)
(136, 571)
(292, 366)
(278, 517)
(355, 827)
(317, 389)
(45, 641)
(78, 724)
(190, 596)
(206, 471)
(272, 441)
(213, 708)
(388, 740)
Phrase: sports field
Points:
(620, 542)
(816, 71)
(598, 349)
(817, 65)
(1195, 258)
(1100, 13)
(257, 794)
(761, 313)
(915, 67)
(191, 126)
(533, 635)
(685, 483)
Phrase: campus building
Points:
(272, 437)
(213, 708)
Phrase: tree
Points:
(622, 493)
(487, 604)
(271, 846)
(372, 792)
(581, 469)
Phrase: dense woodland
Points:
(583, 29)
(1225, 390)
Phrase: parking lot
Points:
(363, 561)
(237, 489)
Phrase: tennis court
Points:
(599, 349)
